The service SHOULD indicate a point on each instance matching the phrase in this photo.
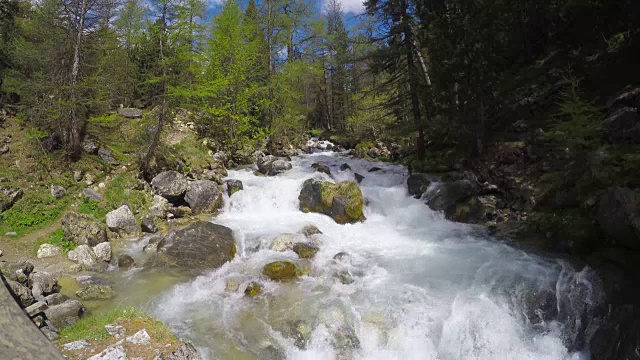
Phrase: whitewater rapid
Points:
(424, 287)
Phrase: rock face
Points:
(130, 113)
(92, 194)
(107, 156)
(201, 245)
(618, 215)
(233, 186)
(8, 197)
(457, 200)
(417, 184)
(280, 271)
(171, 185)
(122, 221)
(343, 202)
(203, 196)
(83, 229)
(623, 126)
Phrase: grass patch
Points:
(57, 238)
(92, 327)
(120, 190)
(191, 152)
(91, 207)
(35, 210)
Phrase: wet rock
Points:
(83, 255)
(139, 338)
(300, 331)
(344, 167)
(203, 196)
(96, 292)
(278, 167)
(48, 250)
(43, 283)
(417, 184)
(450, 196)
(180, 212)
(130, 113)
(233, 186)
(342, 256)
(305, 250)
(103, 251)
(270, 352)
(185, 351)
(122, 221)
(83, 229)
(125, 261)
(20, 293)
(343, 202)
(344, 277)
(264, 163)
(58, 191)
(148, 224)
(115, 352)
(618, 216)
(90, 145)
(374, 169)
(321, 168)
(107, 156)
(283, 242)
(8, 197)
(92, 194)
(76, 345)
(171, 185)
(115, 330)
(309, 230)
(305, 267)
(345, 340)
(201, 245)
(253, 289)
(160, 207)
(66, 313)
(231, 286)
(282, 271)
(623, 126)
(358, 177)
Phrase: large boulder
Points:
(171, 185)
(264, 163)
(450, 196)
(48, 250)
(21, 293)
(66, 313)
(103, 251)
(233, 186)
(203, 196)
(343, 202)
(83, 229)
(43, 283)
(83, 255)
(148, 224)
(8, 197)
(623, 126)
(279, 166)
(201, 245)
(130, 113)
(160, 207)
(16, 271)
(122, 221)
(417, 184)
(617, 213)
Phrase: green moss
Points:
(347, 189)
(253, 289)
(120, 189)
(280, 271)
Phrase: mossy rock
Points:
(253, 289)
(305, 250)
(343, 201)
(282, 271)
(470, 211)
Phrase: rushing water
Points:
(425, 288)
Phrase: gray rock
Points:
(115, 330)
(50, 332)
(180, 212)
(344, 167)
(96, 292)
(16, 271)
(283, 242)
(66, 313)
(107, 156)
(417, 184)
(36, 308)
(103, 251)
(77, 175)
(278, 167)
(89, 179)
(122, 221)
(125, 261)
(4, 149)
(92, 194)
(185, 351)
(55, 299)
(343, 202)
(21, 293)
(450, 194)
(43, 283)
(8, 197)
(148, 224)
(201, 245)
(114, 352)
(130, 113)
(618, 215)
(90, 145)
(265, 163)
(83, 229)
(309, 230)
(321, 168)
(76, 345)
(58, 191)
(221, 157)
(203, 196)
(305, 250)
(233, 186)
(358, 177)
(139, 338)
(83, 255)
(48, 250)
(160, 207)
(171, 185)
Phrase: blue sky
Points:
(350, 7)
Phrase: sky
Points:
(349, 7)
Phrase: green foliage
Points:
(35, 210)
(120, 189)
(578, 120)
(57, 238)
(103, 119)
(92, 207)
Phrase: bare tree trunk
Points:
(413, 87)
(73, 132)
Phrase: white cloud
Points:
(350, 6)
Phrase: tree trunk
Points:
(74, 130)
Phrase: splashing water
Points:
(424, 287)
